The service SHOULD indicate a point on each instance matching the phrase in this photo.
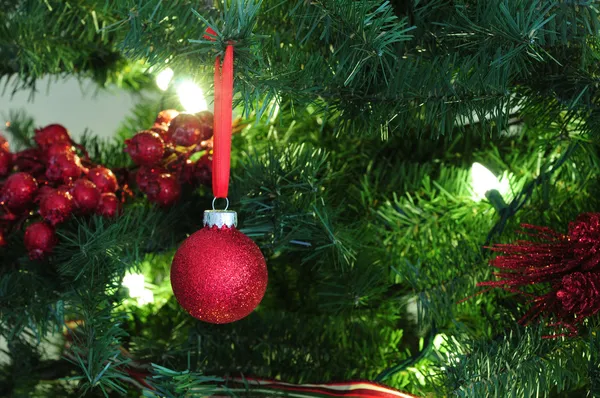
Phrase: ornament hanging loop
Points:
(226, 203)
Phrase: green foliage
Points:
(352, 173)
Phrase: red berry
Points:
(187, 130)
(85, 195)
(108, 206)
(206, 117)
(39, 240)
(4, 144)
(104, 179)
(164, 191)
(145, 148)
(64, 167)
(18, 191)
(203, 170)
(56, 206)
(163, 131)
(58, 149)
(146, 175)
(30, 161)
(52, 134)
(3, 241)
(165, 117)
(5, 162)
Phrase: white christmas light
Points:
(485, 181)
(191, 96)
(164, 78)
(137, 289)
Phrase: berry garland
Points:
(44, 186)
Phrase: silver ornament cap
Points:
(220, 218)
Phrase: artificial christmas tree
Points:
(381, 149)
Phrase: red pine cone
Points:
(56, 206)
(145, 148)
(579, 293)
(64, 167)
(18, 191)
(186, 130)
(5, 162)
(52, 134)
(85, 196)
(108, 206)
(164, 191)
(104, 179)
(40, 239)
(166, 116)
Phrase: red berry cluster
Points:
(174, 151)
(53, 178)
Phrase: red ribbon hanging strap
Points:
(222, 123)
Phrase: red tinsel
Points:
(567, 263)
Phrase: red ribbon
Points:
(222, 120)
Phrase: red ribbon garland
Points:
(222, 120)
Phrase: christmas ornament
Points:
(5, 162)
(108, 206)
(85, 195)
(166, 116)
(39, 240)
(145, 148)
(164, 190)
(64, 167)
(30, 161)
(218, 274)
(569, 265)
(56, 206)
(186, 130)
(18, 191)
(104, 179)
(51, 134)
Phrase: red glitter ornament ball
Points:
(186, 130)
(166, 116)
(108, 206)
(164, 190)
(56, 206)
(5, 162)
(219, 275)
(145, 148)
(85, 195)
(18, 191)
(51, 134)
(39, 240)
(64, 167)
(104, 179)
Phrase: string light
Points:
(163, 79)
(191, 96)
(137, 288)
(485, 181)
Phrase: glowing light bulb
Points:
(191, 96)
(485, 181)
(164, 78)
(137, 290)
